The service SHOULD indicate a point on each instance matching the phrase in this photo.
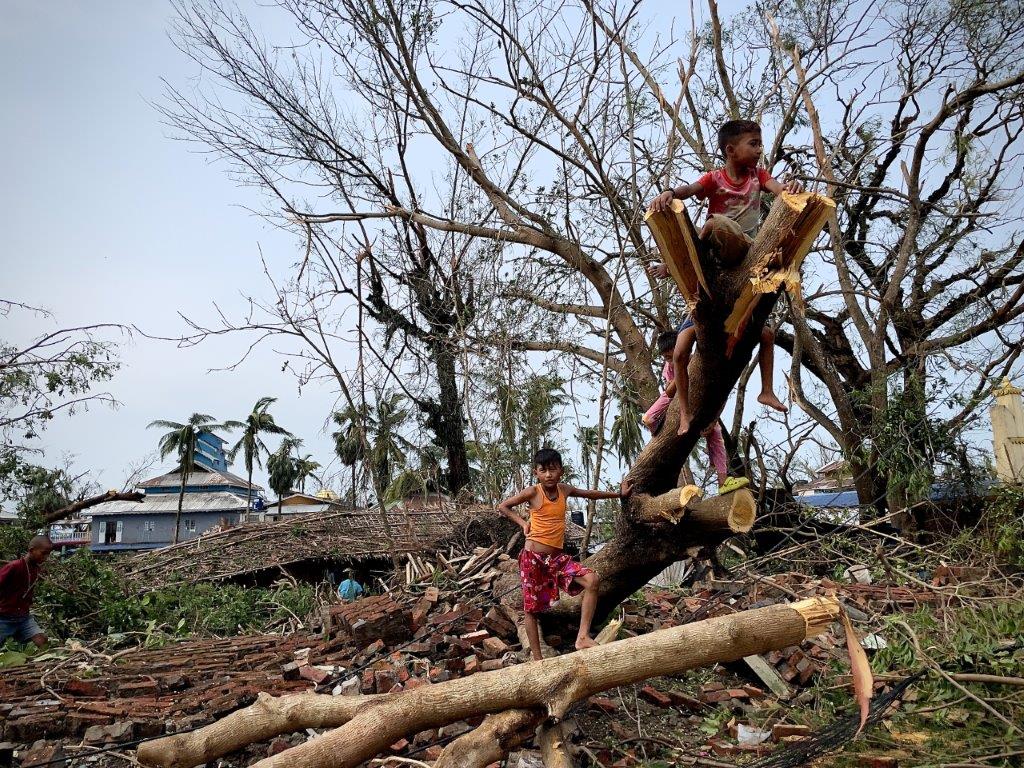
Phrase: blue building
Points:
(213, 498)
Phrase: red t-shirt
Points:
(739, 200)
(17, 587)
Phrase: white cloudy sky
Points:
(105, 218)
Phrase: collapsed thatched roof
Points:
(342, 535)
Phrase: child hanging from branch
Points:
(734, 211)
(655, 417)
(544, 568)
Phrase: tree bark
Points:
(92, 501)
(181, 502)
(552, 684)
(446, 420)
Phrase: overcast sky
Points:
(106, 218)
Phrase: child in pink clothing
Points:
(655, 416)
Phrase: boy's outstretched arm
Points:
(585, 493)
(775, 187)
(506, 508)
(661, 202)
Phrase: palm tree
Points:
(250, 444)
(304, 467)
(348, 442)
(625, 433)
(587, 437)
(181, 441)
(386, 445)
(282, 469)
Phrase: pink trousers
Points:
(655, 415)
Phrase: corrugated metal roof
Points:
(197, 479)
(164, 503)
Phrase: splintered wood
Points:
(475, 571)
(774, 260)
(784, 240)
(776, 254)
(677, 241)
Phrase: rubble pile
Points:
(441, 620)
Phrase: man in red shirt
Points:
(17, 591)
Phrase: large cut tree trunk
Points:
(369, 724)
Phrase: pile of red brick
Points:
(389, 643)
(437, 639)
(138, 692)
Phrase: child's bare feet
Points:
(584, 642)
(684, 422)
(769, 399)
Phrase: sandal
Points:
(732, 484)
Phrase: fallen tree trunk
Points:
(92, 501)
(490, 741)
(265, 718)
(551, 684)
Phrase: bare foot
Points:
(769, 399)
(584, 642)
(684, 423)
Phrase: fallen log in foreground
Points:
(373, 723)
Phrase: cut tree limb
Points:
(492, 739)
(733, 512)
(677, 241)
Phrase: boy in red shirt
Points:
(734, 214)
(543, 567)
(17, 591)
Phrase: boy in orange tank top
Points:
(544, 568)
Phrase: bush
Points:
(85, 597)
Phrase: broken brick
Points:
(653, 696)
(603, 704)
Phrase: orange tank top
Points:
(547, 523)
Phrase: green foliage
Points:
(938, 718)
(180, 439)
(304, 467)
(374, 436)
(35, 491)
(250, 445)
(528, 416)
(281, 467)
(54, 372)
(906, 443)
(1003, 523)
(626, 435)
(14, 541)
(83, 596)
